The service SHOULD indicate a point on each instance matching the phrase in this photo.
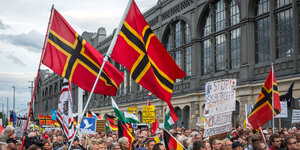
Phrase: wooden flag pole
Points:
(112, 44)
(38, 72)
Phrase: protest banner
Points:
(148, 114)
(100, 125)
(220, 99)
(19, 128)
(217, 124)
(284, 110)
(131, 109)
(296, 116)
(220, 96)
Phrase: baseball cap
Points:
(11, 140)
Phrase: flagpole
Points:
(108, 53)
(273, 109)
(174, 138)
(38, 72)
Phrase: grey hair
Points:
(122, 140)
(113, 145)
(8, 129)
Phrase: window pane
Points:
(262, 40)
(220, 15)
(281, 3)
(169, 41)
(220, 52)
(188, 61)
(235, 48)
(207, 27)
(262, 7)
(177, 34)
(284, 33)
(187, 34)
(234, 13)
(178, 58)
(206, 56)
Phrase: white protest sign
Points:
(296, 116)
(220, 99)
(284, 110)
(20, 126)
(220, 96)
(217, 124)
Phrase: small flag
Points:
(130, 118)
(169, 119)
(54, 114)
(117, 110)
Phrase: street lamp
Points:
(14, 98)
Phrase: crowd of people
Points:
(190, 139)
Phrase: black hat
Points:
(76, 138)
(11, 140)
(236, 144)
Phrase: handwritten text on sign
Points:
(220, 96)
(148, 114)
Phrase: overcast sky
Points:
(23, 26)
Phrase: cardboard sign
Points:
(131, 109)
(100, 126)
(148, 114)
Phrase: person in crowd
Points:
(7, 133)
(83, 142)
(102, 145)
(115, 138)
(11, 144)
(149, 144)
(159, 146)
(115, 146)
(187, 141)
(275, 141)
(215, 144)
(291, 143)
(124, 143)
(76, 144)
(197, 137)
(186, 132)
(46, 146)
(199, 145)
(228, 144)
(259, 145)
(237, 145)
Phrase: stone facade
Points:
(181, 27)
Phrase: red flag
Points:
(42, 119)
(262, 111)
(149, 63)
(70, 56)
(123, 131)
(171, 143)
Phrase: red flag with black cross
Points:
(264, 110)
(148, 62)
(70, 56)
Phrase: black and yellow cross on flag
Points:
(262, 111)
(149, 63)
(70, 56)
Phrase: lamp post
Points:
(14, 102)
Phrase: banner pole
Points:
(38, 72)
(273, 109)
(112, 44)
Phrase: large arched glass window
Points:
(178, 44)
(283, 29)
(220, 27)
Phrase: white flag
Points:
(64, 112)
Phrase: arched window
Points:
(283, 29)
(178, 44)
(219, 28)
(178, 112)
(186, 116)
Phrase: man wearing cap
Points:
(11, 144)
(237, 145)
(76, 144)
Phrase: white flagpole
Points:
(112, 44)
(273, 109)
